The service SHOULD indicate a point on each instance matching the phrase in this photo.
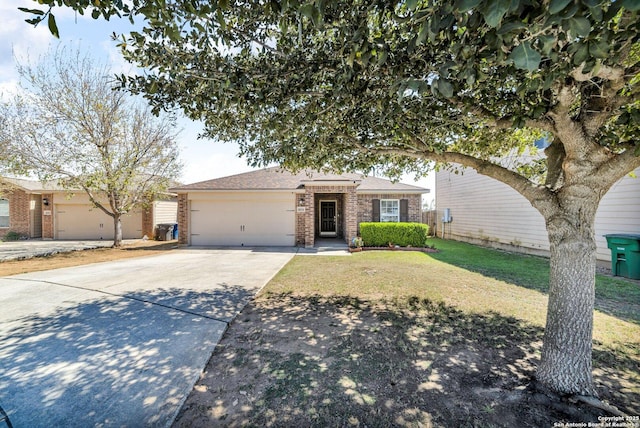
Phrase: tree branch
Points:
(612, 74)
(617, 166)
(539, 196)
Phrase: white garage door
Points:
(237, 220)
(81, 222)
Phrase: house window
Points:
(389, 210)
(4, 213)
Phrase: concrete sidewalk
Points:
(120, 343)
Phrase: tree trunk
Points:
(117, 231)
(565, 365)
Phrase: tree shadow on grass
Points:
(293, 361)
(112, 360)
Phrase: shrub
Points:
(14, 236)
(402, 234)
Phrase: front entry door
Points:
(328, 218)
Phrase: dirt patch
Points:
(310, 361)
(77, 258)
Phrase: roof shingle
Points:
(276, 178)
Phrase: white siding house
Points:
(165, 211)
(488, 212)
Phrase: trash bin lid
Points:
(624, 235)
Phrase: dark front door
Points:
(328, 218)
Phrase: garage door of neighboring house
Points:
(83, 222)
(235, 221)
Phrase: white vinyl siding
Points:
(486, 211)
(389, 210)
(619, 212)
(165, 212)
(4, 213)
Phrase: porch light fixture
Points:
(45, 202)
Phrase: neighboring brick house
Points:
(274, 207)
(44, 210)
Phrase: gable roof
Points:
(32, 185)
(277, 178)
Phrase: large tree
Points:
(399, 84)
(69, 125)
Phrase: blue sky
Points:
(203, 159)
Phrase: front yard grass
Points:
(468, 277)
(386, 338)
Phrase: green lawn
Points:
(472, 279)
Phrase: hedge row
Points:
(402, 234)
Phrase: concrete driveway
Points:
(18, 250)
(120, 343)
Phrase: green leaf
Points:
(52, 26)
(546, 43)
(467, 5)
(495, 11)
(445, 88)
(632, 5)
(307, 10)
(220, 19)
(511, 26)
(411, 4)
(596, 13)
(581, 54)
(32, 11)
(580, 26)
(422, 34)
(599, 49)
(525, 57)
(556, 6)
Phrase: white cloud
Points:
(20, 41)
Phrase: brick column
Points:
(309, 227)
(47, 216)
(301, 218)
(351, 214)
(183, 219)
(147, 220)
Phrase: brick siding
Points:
(147, 221)
(307, 222)
(19, 213)
(183, 219)
(47, 220)
(365, 203)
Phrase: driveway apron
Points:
(120, 343)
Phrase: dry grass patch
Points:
(384, 339)
(77, 258)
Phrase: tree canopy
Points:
(352, 85)
(69, 125)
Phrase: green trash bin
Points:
(625, 254)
